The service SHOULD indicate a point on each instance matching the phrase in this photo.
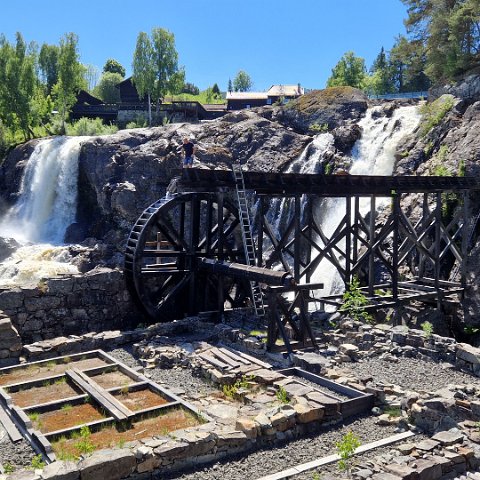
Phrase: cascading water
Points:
(372, 154)
(309, 161)
(47, 200)
(46, 206)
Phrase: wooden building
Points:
(92, 107)
(276, 93)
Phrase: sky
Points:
(274, 41)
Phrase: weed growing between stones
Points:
(231, 391)
(8, 468)
(427, 328)
(37, 462)
(354, 302)
(282, 395)
(346, 448)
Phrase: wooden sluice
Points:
(204, 264)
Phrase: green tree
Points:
(70, 76)
(448, 32)
(48, 63)
(380, 81)
(215, 89)
(242, 82)
(230, 85)
(91, 74)
(22, 102)
(155, 67)
(107, 87)
(190, 88)
(349, 71)
(169, 78)
(144, 70)
(112, 66)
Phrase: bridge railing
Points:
(396, 96)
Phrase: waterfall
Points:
(309, 161)
(372, 154)
(46, 206)
(47, 200)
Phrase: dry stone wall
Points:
(72, 305)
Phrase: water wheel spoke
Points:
(179, 286)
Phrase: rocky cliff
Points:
(447, 143)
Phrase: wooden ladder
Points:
(247, 237)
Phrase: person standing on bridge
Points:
(188, 151)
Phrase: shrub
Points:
(88, 126)
(354, 302)
(427, 328)
(346, 448)
(434, 112)
(37, 462)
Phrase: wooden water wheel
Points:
(163, 252)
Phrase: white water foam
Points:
(372, 154)
(46, 206)
(47, 200)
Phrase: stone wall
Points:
(73, 305)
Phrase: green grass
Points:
(434, 112)
(202, 98)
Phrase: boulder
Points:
(331, 107)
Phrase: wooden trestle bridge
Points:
(231, 239)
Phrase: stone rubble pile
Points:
(450, 416)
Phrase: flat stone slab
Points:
(448, 437)
(222, 411)
(427, 445)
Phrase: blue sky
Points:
(274, 41)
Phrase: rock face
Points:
(121, 174)
(451, 146)
(333, 107)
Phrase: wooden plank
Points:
(10, 427)
(116, 413)
(109, 397)
(208, 358)
(234, 357)
(225, 358)
(250, 358)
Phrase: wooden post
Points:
(371, 243)
(260, 232)
(296, 245)
(194, 239)
(348, 238)
(396, 243)
(220, 255)
(437, 248)
(465, 239)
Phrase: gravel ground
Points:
(272, 460)
(180, 378)
(411, 373)
(15, 454)
(408, 373)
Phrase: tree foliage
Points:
(48, 63)
(242, 82)
(349, 71)
(113, 66)
(155, 66)
(107, 87)
(70, 78)
(446, 33)
(23, 104)
(190, 88)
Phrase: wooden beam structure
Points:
(401, 236)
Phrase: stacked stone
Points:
(10, 341)
(74, 305)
